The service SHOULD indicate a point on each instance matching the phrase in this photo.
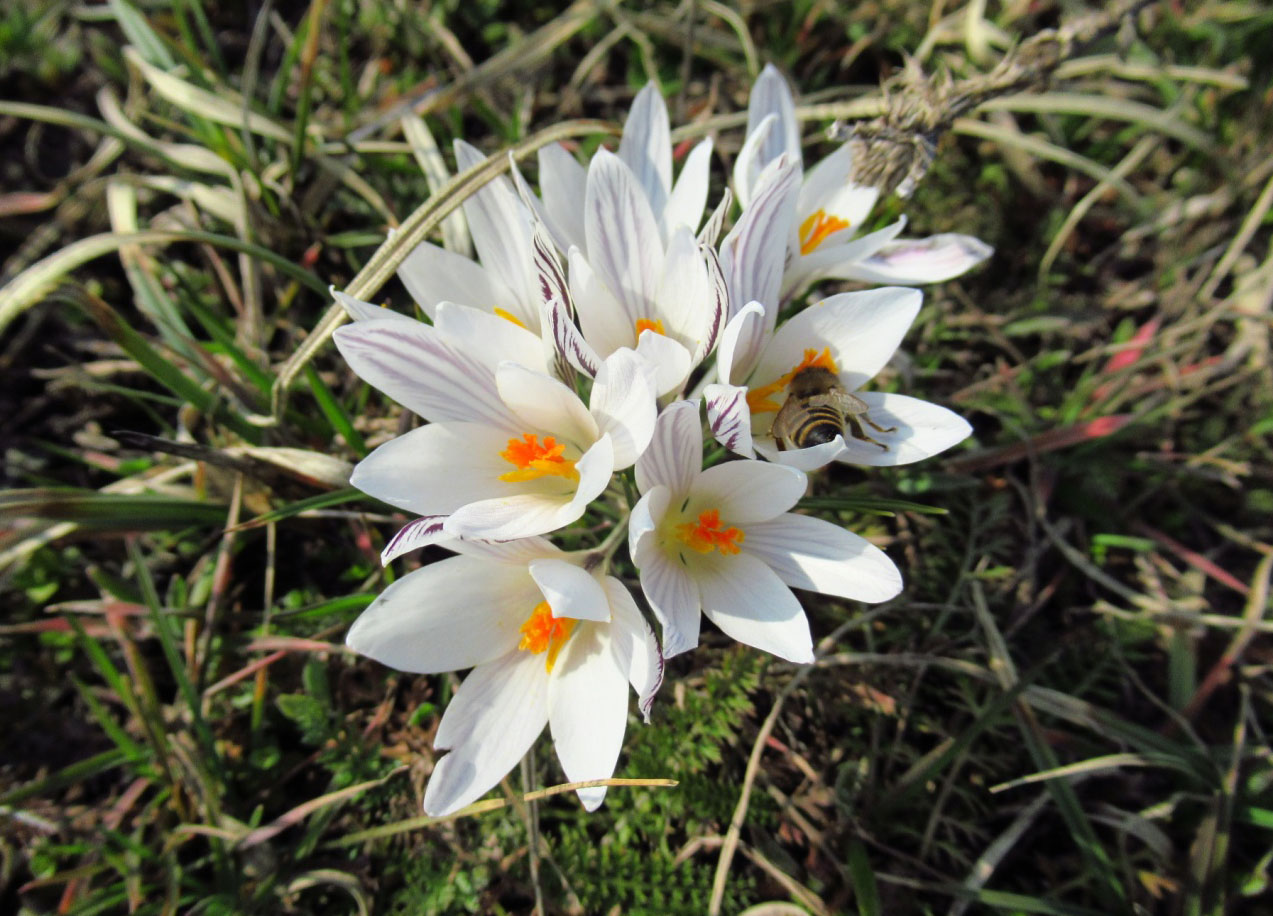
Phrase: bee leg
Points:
(875, 426)
(854, 422)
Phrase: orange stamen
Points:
(542, 632)
(509, 316)
(816, 229)
(647, 324)
(759, 399)
(706, 534)
(534, 460)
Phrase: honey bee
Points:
(818, 409)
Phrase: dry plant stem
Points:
(1256, 606)
(798, 891)
(220, 583)
(493, 804)
(387, 258)
(1243, 237)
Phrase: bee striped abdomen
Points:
(818, 425)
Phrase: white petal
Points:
(588, 709)
(633, 646)
(647, 515)
(861, 330)
(924, 429)
(436, 469)
(840, 259)
(492, 721)
(802, 459)
(930, 260)
(741, 343)
(685, 302)
(501, 228)
(689, 195)
(667, 361)
(604, 322)
(623, 403)
(673, 597)
(489, 338)
(432, 275)
(646, 146)
(770, 95)
(827, 187)
(548, 273)
(748, 165)
(570, 590)
(568, 340)
(422, 532)
(563, 182)
(519, 552)
(365, 311)
(624, 246)
(730, 418)
(812, 554)
(523, 514)
(546, 405)
(747, 491)
(747, 600)
(449, 615)
(675, 453)
(413, 364)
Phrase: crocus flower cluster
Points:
(573, 372)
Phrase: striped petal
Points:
(415, 365)
(675, 453)
(646, 147)
(730, 418)
(624, 246)
(929, 260)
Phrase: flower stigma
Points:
(706, 534)
(759, 399)
(648, 324)
(534, 459)
(817, 228)
(542, 632)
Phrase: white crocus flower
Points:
(829, 209)
(646, 149)
(722, 542)
(504, 282)
(509, 452)
(852, 336)
(630, 291)
(549, 643)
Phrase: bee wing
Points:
(848, 404)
